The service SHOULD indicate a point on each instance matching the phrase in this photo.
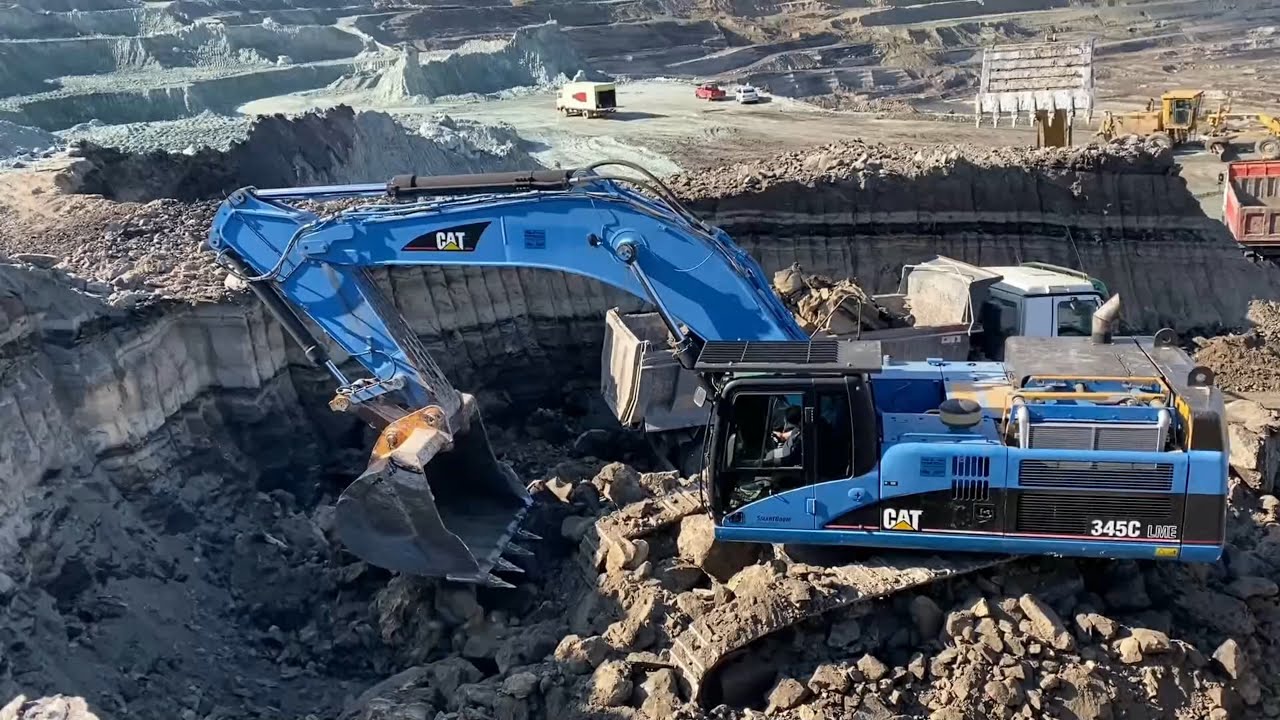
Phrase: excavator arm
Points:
(434, 500)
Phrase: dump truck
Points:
(1251, 205)
(1173, 122)
(954, 311)
(587, 99)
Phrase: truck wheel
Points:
(1218, 148)
(1268, 148)
(1161, 141)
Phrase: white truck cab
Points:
(1038, 300)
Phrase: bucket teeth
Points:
(526, 535)
(494, 581)
(515, 550)
(503, 565)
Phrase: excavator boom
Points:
(434, 500)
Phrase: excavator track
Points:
(750, 616)
(810, 592)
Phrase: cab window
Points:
(1181, 112)
(999, 321)
(1075, 317)
(764, 431)
(1001, 315)
(833, 433)
(764, 452)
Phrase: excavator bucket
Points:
(434, 500)
(1049, 84)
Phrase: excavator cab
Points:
(827, 434)
(782, 425)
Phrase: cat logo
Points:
(451, 241)
(902, 519)
(460, 238)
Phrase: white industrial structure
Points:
(1051, 83)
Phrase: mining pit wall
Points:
(143, 452)
(26, 65)
(1131, 223)
(845, 211)
(135, 439)
(57, 110)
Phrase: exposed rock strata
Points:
(848, 210)
(864, 211)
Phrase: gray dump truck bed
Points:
(647, 389)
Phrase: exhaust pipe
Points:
(1104, 320)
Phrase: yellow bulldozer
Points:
(1176, 122)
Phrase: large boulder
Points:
(697, 545)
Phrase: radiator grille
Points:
(1080, 436)
(778, 351)
(970, 477)
(1071, 514)
(970, 466)
(1095, 475)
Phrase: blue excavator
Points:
(1100, 446)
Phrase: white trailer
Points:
(588, 99)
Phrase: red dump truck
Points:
(1251, 205)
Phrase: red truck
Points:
(710, 91)
(1251, 205)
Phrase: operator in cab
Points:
(786, 451)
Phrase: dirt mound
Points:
(1247, 362)
(856, 160)
(318, 148)
(18, 139)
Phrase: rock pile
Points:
(1249, 361)
(129, 254)
(838, 307)
(855, 159)
(1062, 639)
